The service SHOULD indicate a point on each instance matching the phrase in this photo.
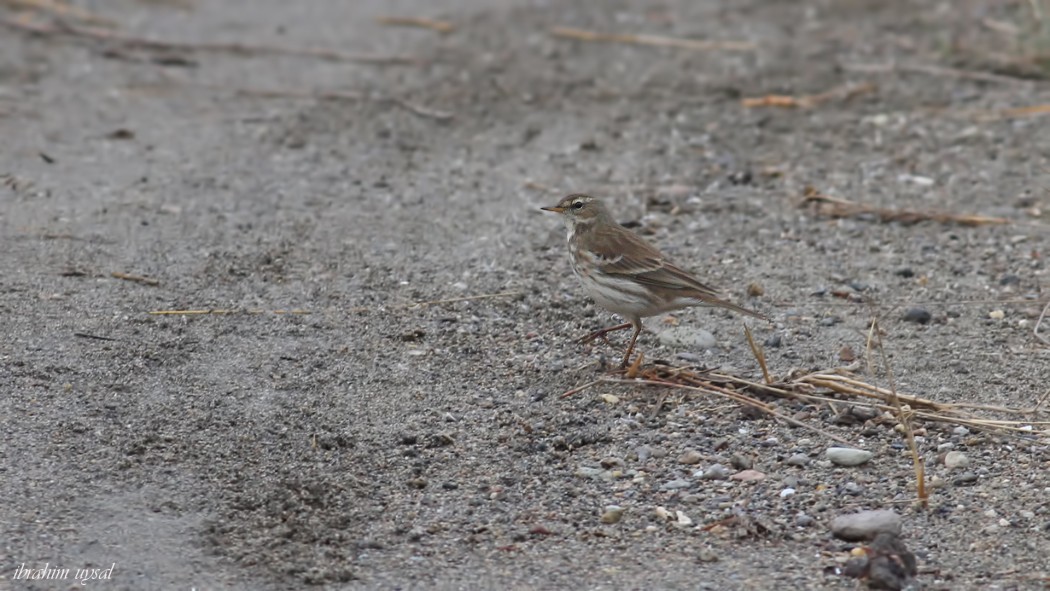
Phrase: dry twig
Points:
(335, 95)
(934, 71)
(486, 296)
(135, 278)
(1035, 330)
(60, 9)
(1029, 111)
(840, 208)
(833, 388)
(653, 40)
(443, 27)
(904, 415)
(760, 355)
(133, 42)
(223, 311)
(843, 93)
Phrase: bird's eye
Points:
(577, 205)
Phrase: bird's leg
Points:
(600, 334)
(630, 348)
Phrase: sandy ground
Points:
(374, 443)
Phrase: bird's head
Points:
(579, 209)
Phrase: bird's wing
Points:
(620, 252)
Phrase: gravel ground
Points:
(376, 443)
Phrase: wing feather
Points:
(620, 252)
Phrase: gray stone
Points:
(612, 514)
(676, 484)
(864, 525)
(956, 459)
(716, 472)
(847, 456)
(687, 337)
(690, 456)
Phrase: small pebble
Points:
(787, 492)
(961, 431)
(847, 456)
(594, 473)
(865, 524)
(748, 476)
(797, 460)
(643, 452)
(707, 555)
(803, 520)
(741, 462)
(919, 315)
(690, 456)
(956, 459)
(612, 514)
(682, 520)
(610, 398)
(716, 472)
(684, 336)
(676, 484)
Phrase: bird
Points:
(625, 274)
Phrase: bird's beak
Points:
(553, 208)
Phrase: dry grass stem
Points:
(932, 70)
(1038, 323)
(443, 27)
(840, 208)
(653, 40)
(904, 417)
(1029, 111)
(536, 186)
(843, 93)
(223, 311)
(135, 278)
(335, 95)
(579, 389)
(486, 296)
(832, 388)
(709, 388)
(59, 9)
(760, 355)
(133, 42)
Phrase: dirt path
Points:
(374, 443)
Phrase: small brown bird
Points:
(625, 274)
